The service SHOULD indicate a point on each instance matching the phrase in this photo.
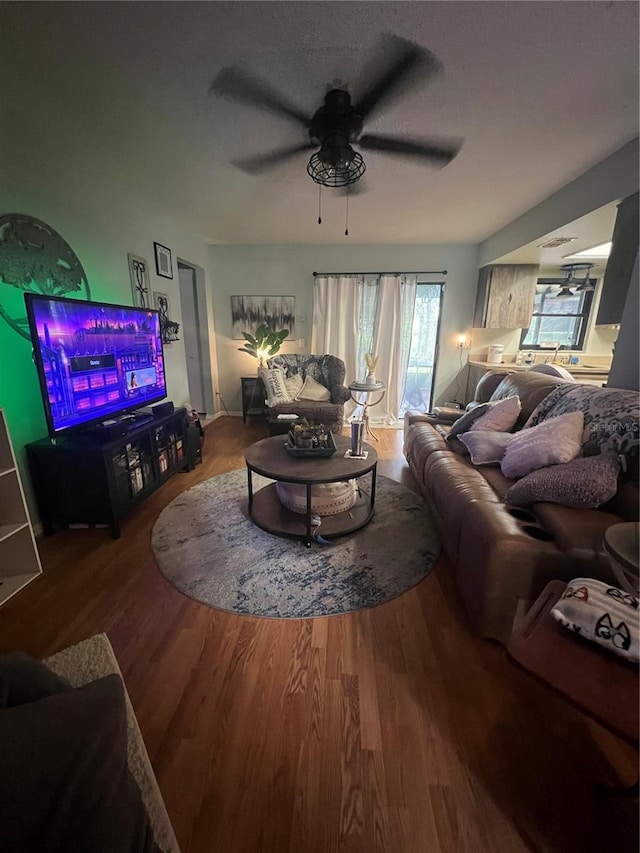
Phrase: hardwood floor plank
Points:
(389, 730)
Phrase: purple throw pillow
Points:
(586, 482)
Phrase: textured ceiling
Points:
(540, 92)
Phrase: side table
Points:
(621, 544)
(362, 388)
(601, 684)
(253, 396)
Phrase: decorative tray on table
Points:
(323, 449)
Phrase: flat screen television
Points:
(95, 361)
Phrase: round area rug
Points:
(208, 548)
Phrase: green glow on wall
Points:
(33, 258)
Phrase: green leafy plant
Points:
(266, 343)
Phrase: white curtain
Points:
(392, 342)
(336, 319)
(352, 316)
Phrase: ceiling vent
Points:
(555, 242)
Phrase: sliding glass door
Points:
(423, 352)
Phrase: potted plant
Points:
(266, 343)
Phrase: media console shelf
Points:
(19, 558)
(84, 480)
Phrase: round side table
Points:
(362, 388)
(621, 544)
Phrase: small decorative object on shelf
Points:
(372, 361)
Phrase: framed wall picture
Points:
(168, 327)
(249, 312)
(139, 275)
(164, 266)
(161, 302)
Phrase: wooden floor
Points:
(392, 729)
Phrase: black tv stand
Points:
(140, 419)
(93, 480)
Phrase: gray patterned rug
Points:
(207, 547)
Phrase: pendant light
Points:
(570, 281)
(565, 289)
(588, 284)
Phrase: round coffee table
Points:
(269, 458)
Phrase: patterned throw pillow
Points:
(610, 419)
(312, 390)
(602, 613)
(275, 387)
(586, 482)
(552, 442)
(294, 385)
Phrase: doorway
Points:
(195, 333)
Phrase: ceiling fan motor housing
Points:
(335, 118)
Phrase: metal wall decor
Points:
(168, 327)
(34, 258)
(249, 312)
(139, 275)
(164, 266)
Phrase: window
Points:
(557, 322)
(423, 333)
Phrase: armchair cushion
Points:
(312, 390)
(294, 385)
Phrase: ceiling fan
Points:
(337, 125)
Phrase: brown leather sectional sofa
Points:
(503, 555)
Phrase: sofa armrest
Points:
(411, 416)
(340, 394)
(92, 659)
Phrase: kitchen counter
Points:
(590, 373)
(587, 369)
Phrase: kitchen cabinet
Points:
(504, 299)
(19, 559)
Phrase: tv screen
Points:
(95, 361)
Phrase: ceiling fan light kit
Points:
(336, 164)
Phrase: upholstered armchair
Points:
(302, 376)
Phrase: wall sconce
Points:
(463, 342)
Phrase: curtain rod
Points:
(378, 272)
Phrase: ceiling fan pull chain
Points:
(319, 204)
(346, 229)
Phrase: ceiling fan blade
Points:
(427, 150)
(406, 58)
(236, 85)
(262, 162)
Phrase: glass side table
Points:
(367, 403)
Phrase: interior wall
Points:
(614, 178)
(288, 271)
(625, 368)
(102, 223)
